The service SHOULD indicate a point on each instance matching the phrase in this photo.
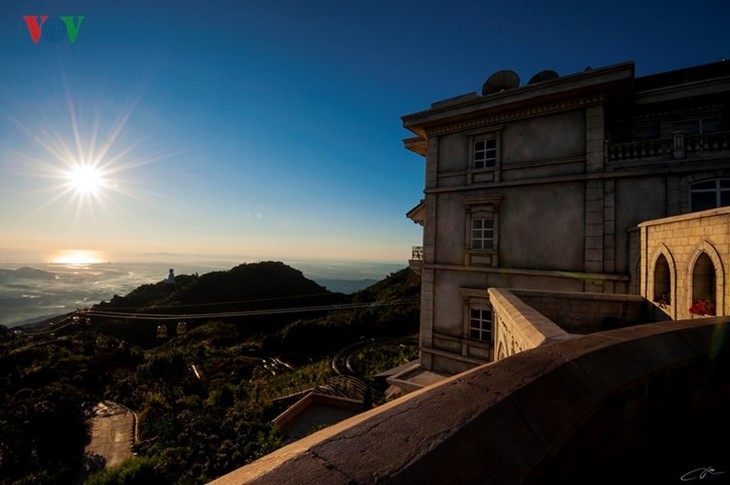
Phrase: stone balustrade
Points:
(680, 146)
(709, 143)
(416, 261)
(639, 150)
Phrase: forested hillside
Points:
(249, 285)
(205, 398)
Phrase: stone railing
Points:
(416, 261)
(639, 150)
(518, 326)
(713, 142)
(678, 147)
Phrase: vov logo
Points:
(53, 29)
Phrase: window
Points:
(481, 230)
(480, 324)
(647, 131)
(485, 153)
(699, 127)
(710, 194)
(482, 233)
(699, 136)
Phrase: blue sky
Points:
(245, 130)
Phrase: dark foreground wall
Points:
(648, 403)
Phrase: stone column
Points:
(594, 197)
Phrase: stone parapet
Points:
(517, 325)
(644, 402)
(582, 313)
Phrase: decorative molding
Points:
(670, 113)
(468, 293)
(491, 199)
(517, 114)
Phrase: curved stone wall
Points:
(634, 403)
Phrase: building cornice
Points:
(418, 213)
(466, 108)
(502, 118)
(417, 145)
(678, 92)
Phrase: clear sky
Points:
(271, 129)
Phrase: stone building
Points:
(564, 222)
(542, 187)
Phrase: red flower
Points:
(702, 307)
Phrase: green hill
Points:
(238, 287)
(204, 399)
(249, 295)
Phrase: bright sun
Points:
(85, 179)
(86, 166)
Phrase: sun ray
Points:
(90, 162)
(81, 181)
(119, 126)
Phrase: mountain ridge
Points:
(31, 294)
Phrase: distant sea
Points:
(31, 293)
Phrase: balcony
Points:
(712, 143)
(639, 150)
(416, 261)
(679, 147)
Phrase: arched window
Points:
(710, 194)
(662, 281)
(703, 286)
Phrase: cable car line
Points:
(234, 302)
(83, 316)
(240, 313)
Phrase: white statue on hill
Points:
(170, 278)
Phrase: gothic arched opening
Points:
(662, 281)
(703, 286)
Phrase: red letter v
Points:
(33, 27)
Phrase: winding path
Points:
(112, 438)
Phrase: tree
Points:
(44, 431)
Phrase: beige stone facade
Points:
(541, 187)
(685, 259)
